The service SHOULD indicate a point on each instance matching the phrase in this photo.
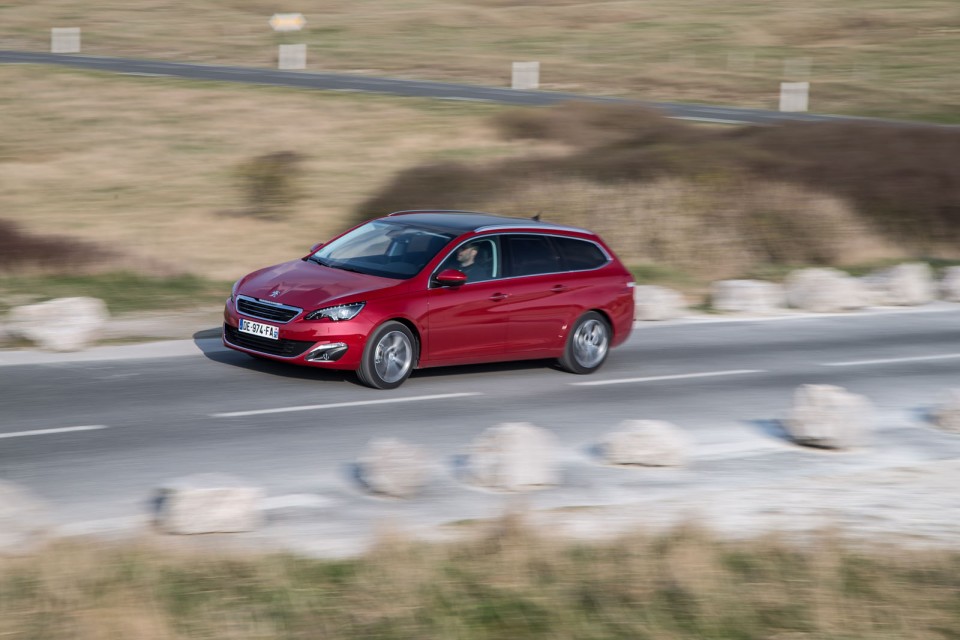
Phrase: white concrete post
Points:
(794, 96)
(292, 56)
(526, 75)
(65, 40)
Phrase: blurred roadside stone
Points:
(829, 417)
(513, 456)
(24, 520)
(650, 443)
(63, 324)
(947, 415)
(652, 302)
(824, 290)
(394, 468)
(746, 296)
(950, 284)
(208, 503)
(904, 285)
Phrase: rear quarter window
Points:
(580, 255)
(531, 255)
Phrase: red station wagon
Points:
(422, 289)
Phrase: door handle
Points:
(558, 288)
(497, 297)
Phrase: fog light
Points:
(328, 352)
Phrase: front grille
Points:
(284, 348)
(272, 311)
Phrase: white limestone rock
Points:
(394, 468)
(651, 443)
(208, 503)
(829, 417)
(746, 296)
(24, 520)
(824, 291)
(947, 415)
(513, 456)
(652, 302)
(904, 285)
(950, 284)
(63, 324)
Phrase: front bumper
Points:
(325, 344)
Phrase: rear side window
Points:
(580, 255)
(529, 255)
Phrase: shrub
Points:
(705, 227)
(270, 184)
(798, 192)
(21, 251)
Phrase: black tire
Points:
(588, 344)
(389, 356)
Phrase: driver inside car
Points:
(469, 261)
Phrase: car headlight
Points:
(337, 313)
(233, 291)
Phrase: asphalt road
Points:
(412, 88)
(95, 433)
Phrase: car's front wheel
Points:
(587, 345)
(388, 357)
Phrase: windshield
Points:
(383, 248)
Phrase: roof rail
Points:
(406, 211)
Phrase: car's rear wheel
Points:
(388, 357)
(587, 345)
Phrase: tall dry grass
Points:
(508, 582)
(147, 168)
(707, 229)
(721, 201)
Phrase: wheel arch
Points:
(410, 324)
(606, 318)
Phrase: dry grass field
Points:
(506, 583)
(154, 174)
(151, 168)
(870, 57)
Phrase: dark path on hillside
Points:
(411, 88)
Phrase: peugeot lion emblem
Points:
(275, 293)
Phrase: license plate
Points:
(259, 329)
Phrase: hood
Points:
(309, 285)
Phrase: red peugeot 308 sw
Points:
(431, 288)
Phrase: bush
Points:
(20, 251)
(775, 193)
(270, 184)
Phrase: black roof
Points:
(463, 221)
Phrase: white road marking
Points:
(43, 432)
(855, 363)
(940, 307)
(338, 405)
(679, 376)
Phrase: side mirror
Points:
(450, 278)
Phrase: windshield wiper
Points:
(346, 268)
(331, 265)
